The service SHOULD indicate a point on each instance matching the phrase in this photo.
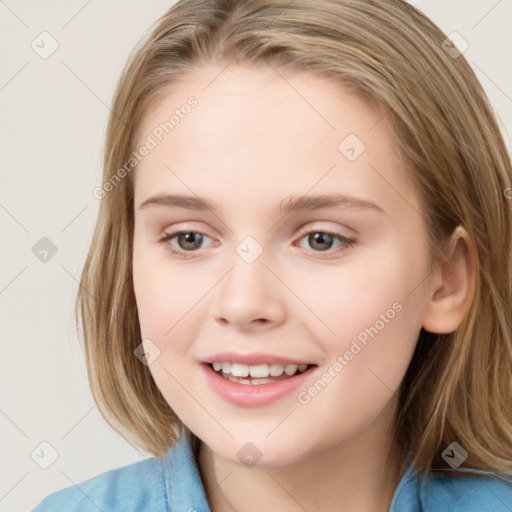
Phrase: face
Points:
(339, 285)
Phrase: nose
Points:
(250, 296)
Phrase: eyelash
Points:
(348, 243)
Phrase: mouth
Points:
(263, 385)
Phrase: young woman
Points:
(299, 291)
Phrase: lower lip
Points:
(253, 395)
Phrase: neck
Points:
(354, 475)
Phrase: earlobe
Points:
(453, 286)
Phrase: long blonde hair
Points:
(458, 386)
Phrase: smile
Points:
(254, 386)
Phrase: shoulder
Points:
(135, 487)
(460, 490)
(468, 493)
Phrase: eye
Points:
(188, 241)
(191, 241)
(322, 240)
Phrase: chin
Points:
(259, 452)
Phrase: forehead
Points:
(264, 134)
(260, 102)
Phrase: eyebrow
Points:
(292, 204)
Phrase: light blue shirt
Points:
(172, 484)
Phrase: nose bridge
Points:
(248, 292)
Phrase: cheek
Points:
(352, 296)
(387, 321)
(164, 295)
(165, 298)
(367, 314)
(366, 360)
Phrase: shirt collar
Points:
(407, 496)
(183, 482)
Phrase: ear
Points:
(452, 287)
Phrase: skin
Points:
(256, 138)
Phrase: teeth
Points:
(239, 370)
(276, 370)
(290, 369)
(261, 371)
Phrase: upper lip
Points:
(252, 359)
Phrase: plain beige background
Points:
(54, 114)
